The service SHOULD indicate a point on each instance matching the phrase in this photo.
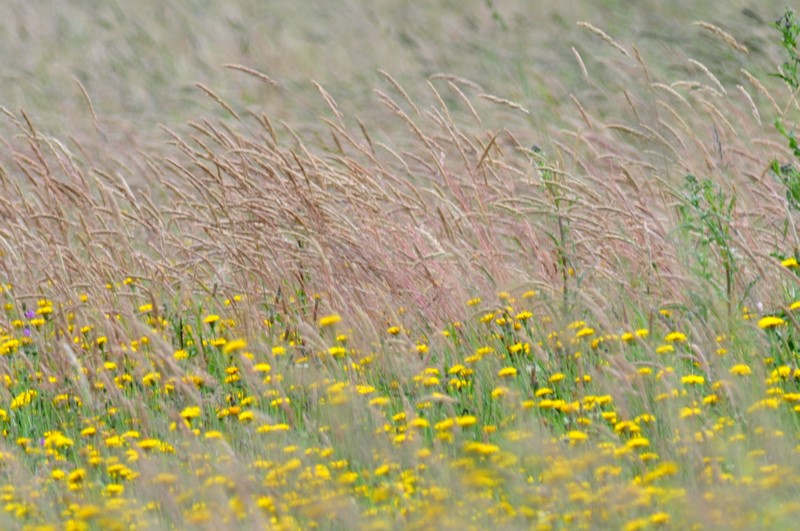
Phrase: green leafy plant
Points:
(789, 27)
(706, 217)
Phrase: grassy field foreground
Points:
(566, 302)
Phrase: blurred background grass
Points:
(139, 61)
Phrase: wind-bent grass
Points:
(416, 318)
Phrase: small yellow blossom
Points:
(481, 448)
(466, 421)
(234, 345)
(329, 320)
(740, 370)
(524, 316)
(770, 321)
(675, 337)
(693, 379)
(190, 412)
(575, 436)
(506, 372)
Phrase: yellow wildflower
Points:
(770, 321)
(507, 372)
(329, 320)
(740, 370)
(675, 337)
(211, 318)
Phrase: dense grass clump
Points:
(516, 301)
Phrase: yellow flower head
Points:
(329, 320)
(770, 321)
(675, 337)
(232, 346)
(740, 370)
(507, 372)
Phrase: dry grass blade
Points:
(504, 102)
(727, 38)
(603, 35)
(711, 76)
(329, 100)
(400, 90)
(581, 63)
(219, 100)
(753, 107)
(255, 73)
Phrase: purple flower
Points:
(30, 314)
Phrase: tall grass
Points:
(428, 312)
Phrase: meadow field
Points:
(385, 265)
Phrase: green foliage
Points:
(790, 178)
(706, 216)
(789, 26)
